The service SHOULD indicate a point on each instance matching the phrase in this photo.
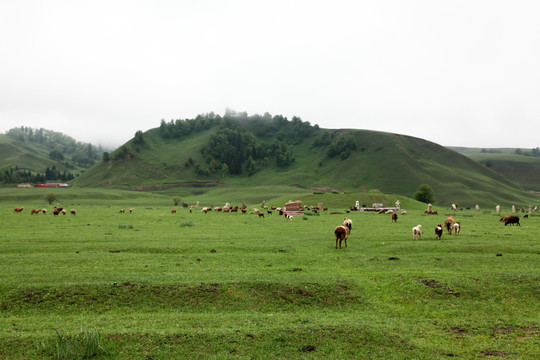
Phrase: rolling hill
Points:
(389, 163)
(522, 169)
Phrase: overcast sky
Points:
(458, 73)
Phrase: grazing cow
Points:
(449, 224)
(288, 217)
(457, 227)
(434, 212)
(526, 216)
(512, 219)
(64, 212)
(34, 211)
(204, 210)
(56, 211)
(44, 211)
(417, 232)
(438, 232)
(348, 223)
(131, 210)
(173, 211)
(122, 211)
(394, 217)
(73, 212)
(18, 210)
(342, 233)
(261, 215)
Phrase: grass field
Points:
(157, 285)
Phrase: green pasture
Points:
(158, 285)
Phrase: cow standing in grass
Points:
(342, 233)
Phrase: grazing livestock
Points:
(504, 218)
(131, 210)
(449, 224)
(122, 211)
(438, 232)
(204, 210)
(512, 219)
(457, 227)
(348, 223)
(44, 211)
(56, 211)
(261, 215)
(526, 216)
(417, 232)
(34, 211)
(64, 212)
(394, 217)
(73, 212)
(173, 211)
(18, 210)
(342, 233)
(288, 217)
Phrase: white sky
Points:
(458, 73)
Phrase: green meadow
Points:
(156, 285)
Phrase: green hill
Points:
(270, 152)
(39, 155)
(520, 166)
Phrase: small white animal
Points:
(417, 232)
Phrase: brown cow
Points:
(34, 211)
(449, 224)
(73, 212)
(342, 233)
(394, 217)
(18, 210)
(173, 211)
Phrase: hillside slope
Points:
(387, 162)
(521, 169)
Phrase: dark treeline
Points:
(62, 147)
(14, 175)
(243, 143)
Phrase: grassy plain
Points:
(157, 285)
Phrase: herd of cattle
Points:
(56, 211)
(341, 232)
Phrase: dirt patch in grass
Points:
(494, 353)
(440, 288)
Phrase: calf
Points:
(417, 232)
(438, 232)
